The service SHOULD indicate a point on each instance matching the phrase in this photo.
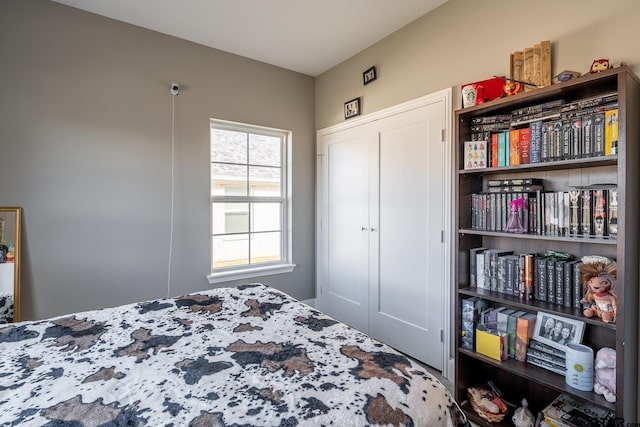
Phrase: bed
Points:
(243, 356)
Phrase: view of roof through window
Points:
(247, 197)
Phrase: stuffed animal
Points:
(598, 276)
(605, 374)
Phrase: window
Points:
(249, 201)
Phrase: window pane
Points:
(228, 180)
(265, 247)
(265, 181)
(265, 150)
(265, 217)
(230, 218)
(230, 251)
(228, 146)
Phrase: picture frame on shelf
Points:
(369, 75)
(352, 108)
(557, 331)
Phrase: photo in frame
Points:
(352, 108)
(557, 331)
(369, 75)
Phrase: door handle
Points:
(364, 229)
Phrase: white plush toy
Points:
(605, 374)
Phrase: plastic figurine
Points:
(598, 275)
(512, 87)
(605, 374)
(599, 65)
(522, 417)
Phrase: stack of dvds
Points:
(568, 411)
(547, 357)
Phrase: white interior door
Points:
(407, 273)
(344, 292)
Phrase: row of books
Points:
(580, 212)
(526, 276)
(582, 129)
(503, 332)
(499, 333)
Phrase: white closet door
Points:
(407, 269)
(345, 229)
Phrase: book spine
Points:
(492, 212)
(535, 141)
(545, 134)
(600, 226)
(494, 150)
(612, 204)
(586, 223)
(541, 278)
(521, 278)
(576, 151)
(546, 365)
(524, 330)
(587, 136)
(502, 149)
(487, 269)
(504, 211)
(560, 282)
(598, 134)
(502, 274)
(546, 356)
(512, 268)
(611, 132)
(528, 277)
(480, 269)
(568, 284)
(511, 335)
(565, 148)
(537, 345)
(577, 285)
(551, 281)
(524, 146)
(514, 147)
(574, 212)
(473, 269)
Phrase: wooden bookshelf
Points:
(520, 380)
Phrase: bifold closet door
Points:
(346, 228)
(407, 255)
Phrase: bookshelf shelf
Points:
(565, 164)
(586, 240)
(532, 373)
(572, 313)
(516, 379)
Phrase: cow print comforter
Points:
(246, 356)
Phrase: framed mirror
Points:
(10, 230)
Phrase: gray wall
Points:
(85, 147)
(468, 40)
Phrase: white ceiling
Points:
(308, 36)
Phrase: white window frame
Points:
(285, 264)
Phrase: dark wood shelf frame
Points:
(518, 379)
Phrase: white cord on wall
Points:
(174, 91)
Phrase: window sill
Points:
(249, 273)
